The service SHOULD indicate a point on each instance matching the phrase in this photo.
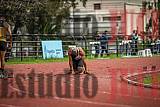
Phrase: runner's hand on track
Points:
(86, 72)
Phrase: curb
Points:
(129, 81)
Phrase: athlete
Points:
(4, 31)
(77, 60)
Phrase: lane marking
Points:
(82, 101)
(102, 92)
(9, 105)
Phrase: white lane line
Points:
(104, 92)
(79, 101)
(8, 105)
(92, 102)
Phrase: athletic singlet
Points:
(74, 54)
(3, 32)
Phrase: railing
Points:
(29, 46)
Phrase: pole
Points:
(125, 20)
(21, 51)
(117, 46)
(73, 22)
(158, 17)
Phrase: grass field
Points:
(41, 60)
(148, 79)
(33, 60)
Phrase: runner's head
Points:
(2, 17)
(2, 20)
(74, 51)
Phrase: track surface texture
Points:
(111, 90)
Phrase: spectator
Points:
(153, 45)
(97, 44)
(134, 43)
(104, 43)
(158, 44)
(127, 46)
(148, 42)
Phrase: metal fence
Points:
(29, 46)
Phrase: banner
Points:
(52, 49)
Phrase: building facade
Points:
(115, 16)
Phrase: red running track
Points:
(112, 92)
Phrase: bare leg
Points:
(2, 57)
(0, 60)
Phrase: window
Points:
(106, 18)
(116, 18)
(85, 19)
(97, 6)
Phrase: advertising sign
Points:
(52, 49)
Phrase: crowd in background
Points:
(130, 44)
(134, 42)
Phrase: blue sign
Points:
(52, 49)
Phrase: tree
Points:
(40, 16)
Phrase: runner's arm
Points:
(70, 63)
(84, 62)
(10, 34)
(70, 60)
(82, 53)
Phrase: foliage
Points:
(39, 16)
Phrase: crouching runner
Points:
(77, 60)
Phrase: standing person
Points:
(134, 44)
(158, 44)
(77, 60)
(136, 38)
(97, 44)
(104, 43)
(4, 31)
